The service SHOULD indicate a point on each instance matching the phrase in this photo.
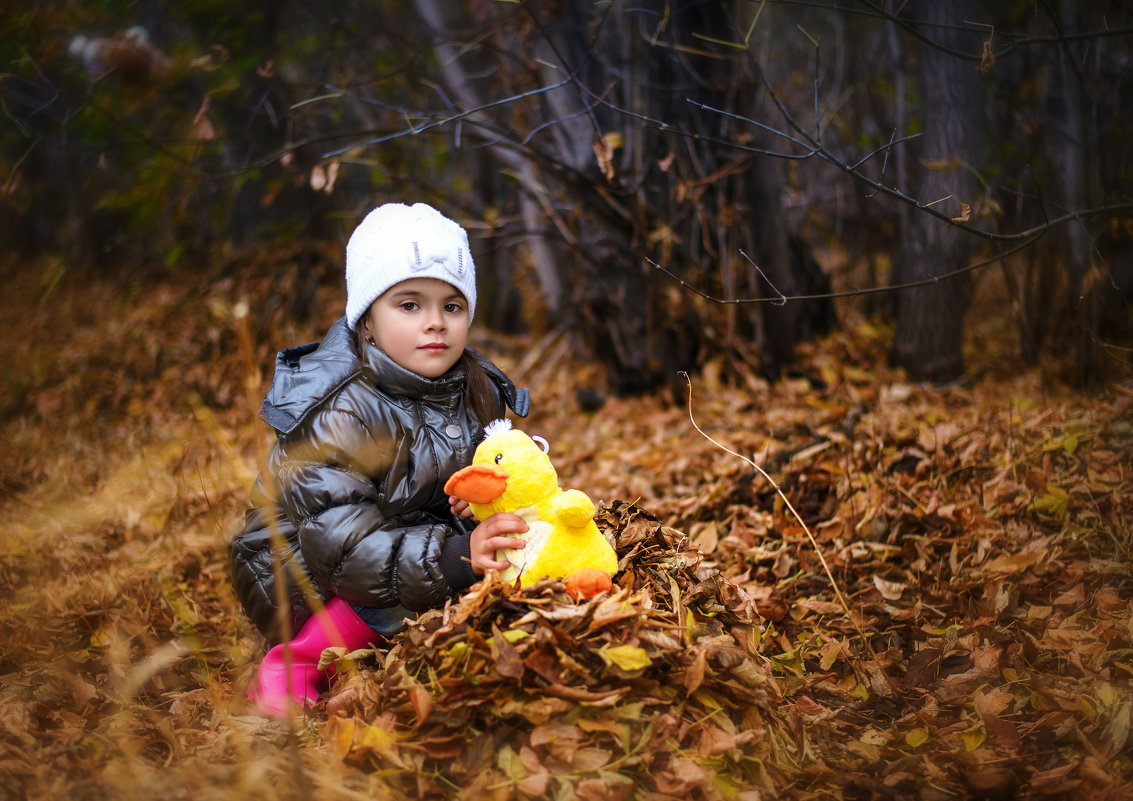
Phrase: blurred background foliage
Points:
(742, 146)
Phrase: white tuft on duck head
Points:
(497, 427)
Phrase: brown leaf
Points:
(890, 590)
(604, 152)
(1002, 730)
(784, 563)
(535, 785)
(987, 60)
(554, 732)
(705, 537)
(714, 741)
(1073, 598)
(505, 656)
(989, 780)
(544, 663)
(808, 706)
(774, 609)
(694, 673)
(422, 701)
(682, 777)
(613, 788)
(589, 759)
(585, 696)
(617, 606)
(1035, 480)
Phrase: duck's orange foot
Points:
(588, 582)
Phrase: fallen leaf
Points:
(628, 658)
(890, 590)
(915, 738)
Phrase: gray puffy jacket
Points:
(354, 484)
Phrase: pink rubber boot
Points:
(336, 624)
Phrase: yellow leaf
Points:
(375, 738)
(340, 732)
(1118, 727)
(973, 738)
(1107, 694)
(916, 737)
(511, 635)
(790, 660)
(102, 637)
(626, 657)
(1070, 443)
(1087, 709)
(707, 700)
(509, 763)
(856, 375)
(1054, 502)
(860, 692)
(728, 786)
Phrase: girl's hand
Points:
(460, 508)
(491, 536)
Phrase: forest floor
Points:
(857, 588)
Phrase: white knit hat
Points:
(397, 242)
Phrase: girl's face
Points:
(422, 324)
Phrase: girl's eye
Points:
(452, 308)
(409, 305)
(499, 458)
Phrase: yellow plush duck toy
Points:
(511, 473)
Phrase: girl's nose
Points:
(435, 321)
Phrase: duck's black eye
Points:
(499, 458)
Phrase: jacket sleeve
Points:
(350, 547)
(266, 536)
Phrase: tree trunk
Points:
(1072, 138)
(601, 190)
(930, 319)
(441, 18)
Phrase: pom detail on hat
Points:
(396, 242)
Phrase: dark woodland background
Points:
(775, 153)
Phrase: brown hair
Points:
(479, 392)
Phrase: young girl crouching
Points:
(370, 423)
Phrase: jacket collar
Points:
(393, 379)
(307, 375)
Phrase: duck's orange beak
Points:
(477, 483)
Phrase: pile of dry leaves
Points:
(658, 685)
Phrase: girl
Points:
(370, 424)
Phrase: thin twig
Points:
(814, 543)
(875, 290)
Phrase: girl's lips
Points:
(435, 347)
